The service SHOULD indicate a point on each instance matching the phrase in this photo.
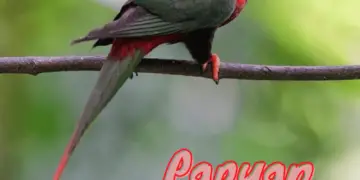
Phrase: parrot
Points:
(140, 27)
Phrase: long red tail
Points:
(66, 155)
(122, 50)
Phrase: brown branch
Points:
(36, 65)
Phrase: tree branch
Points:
(36, 65)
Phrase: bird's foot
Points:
(215, 63)
(132, 74)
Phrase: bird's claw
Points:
(215, 63)
(132, 74)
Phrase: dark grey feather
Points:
(108, 41)
(162, 17)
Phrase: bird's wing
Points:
(194, 14)
(176, 10)
(162, 17)
(135, 21)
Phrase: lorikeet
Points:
(141, 26)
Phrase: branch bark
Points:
(36, 65)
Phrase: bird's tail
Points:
(113, 75)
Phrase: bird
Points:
(140, 27)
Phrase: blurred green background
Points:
(154, 115)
